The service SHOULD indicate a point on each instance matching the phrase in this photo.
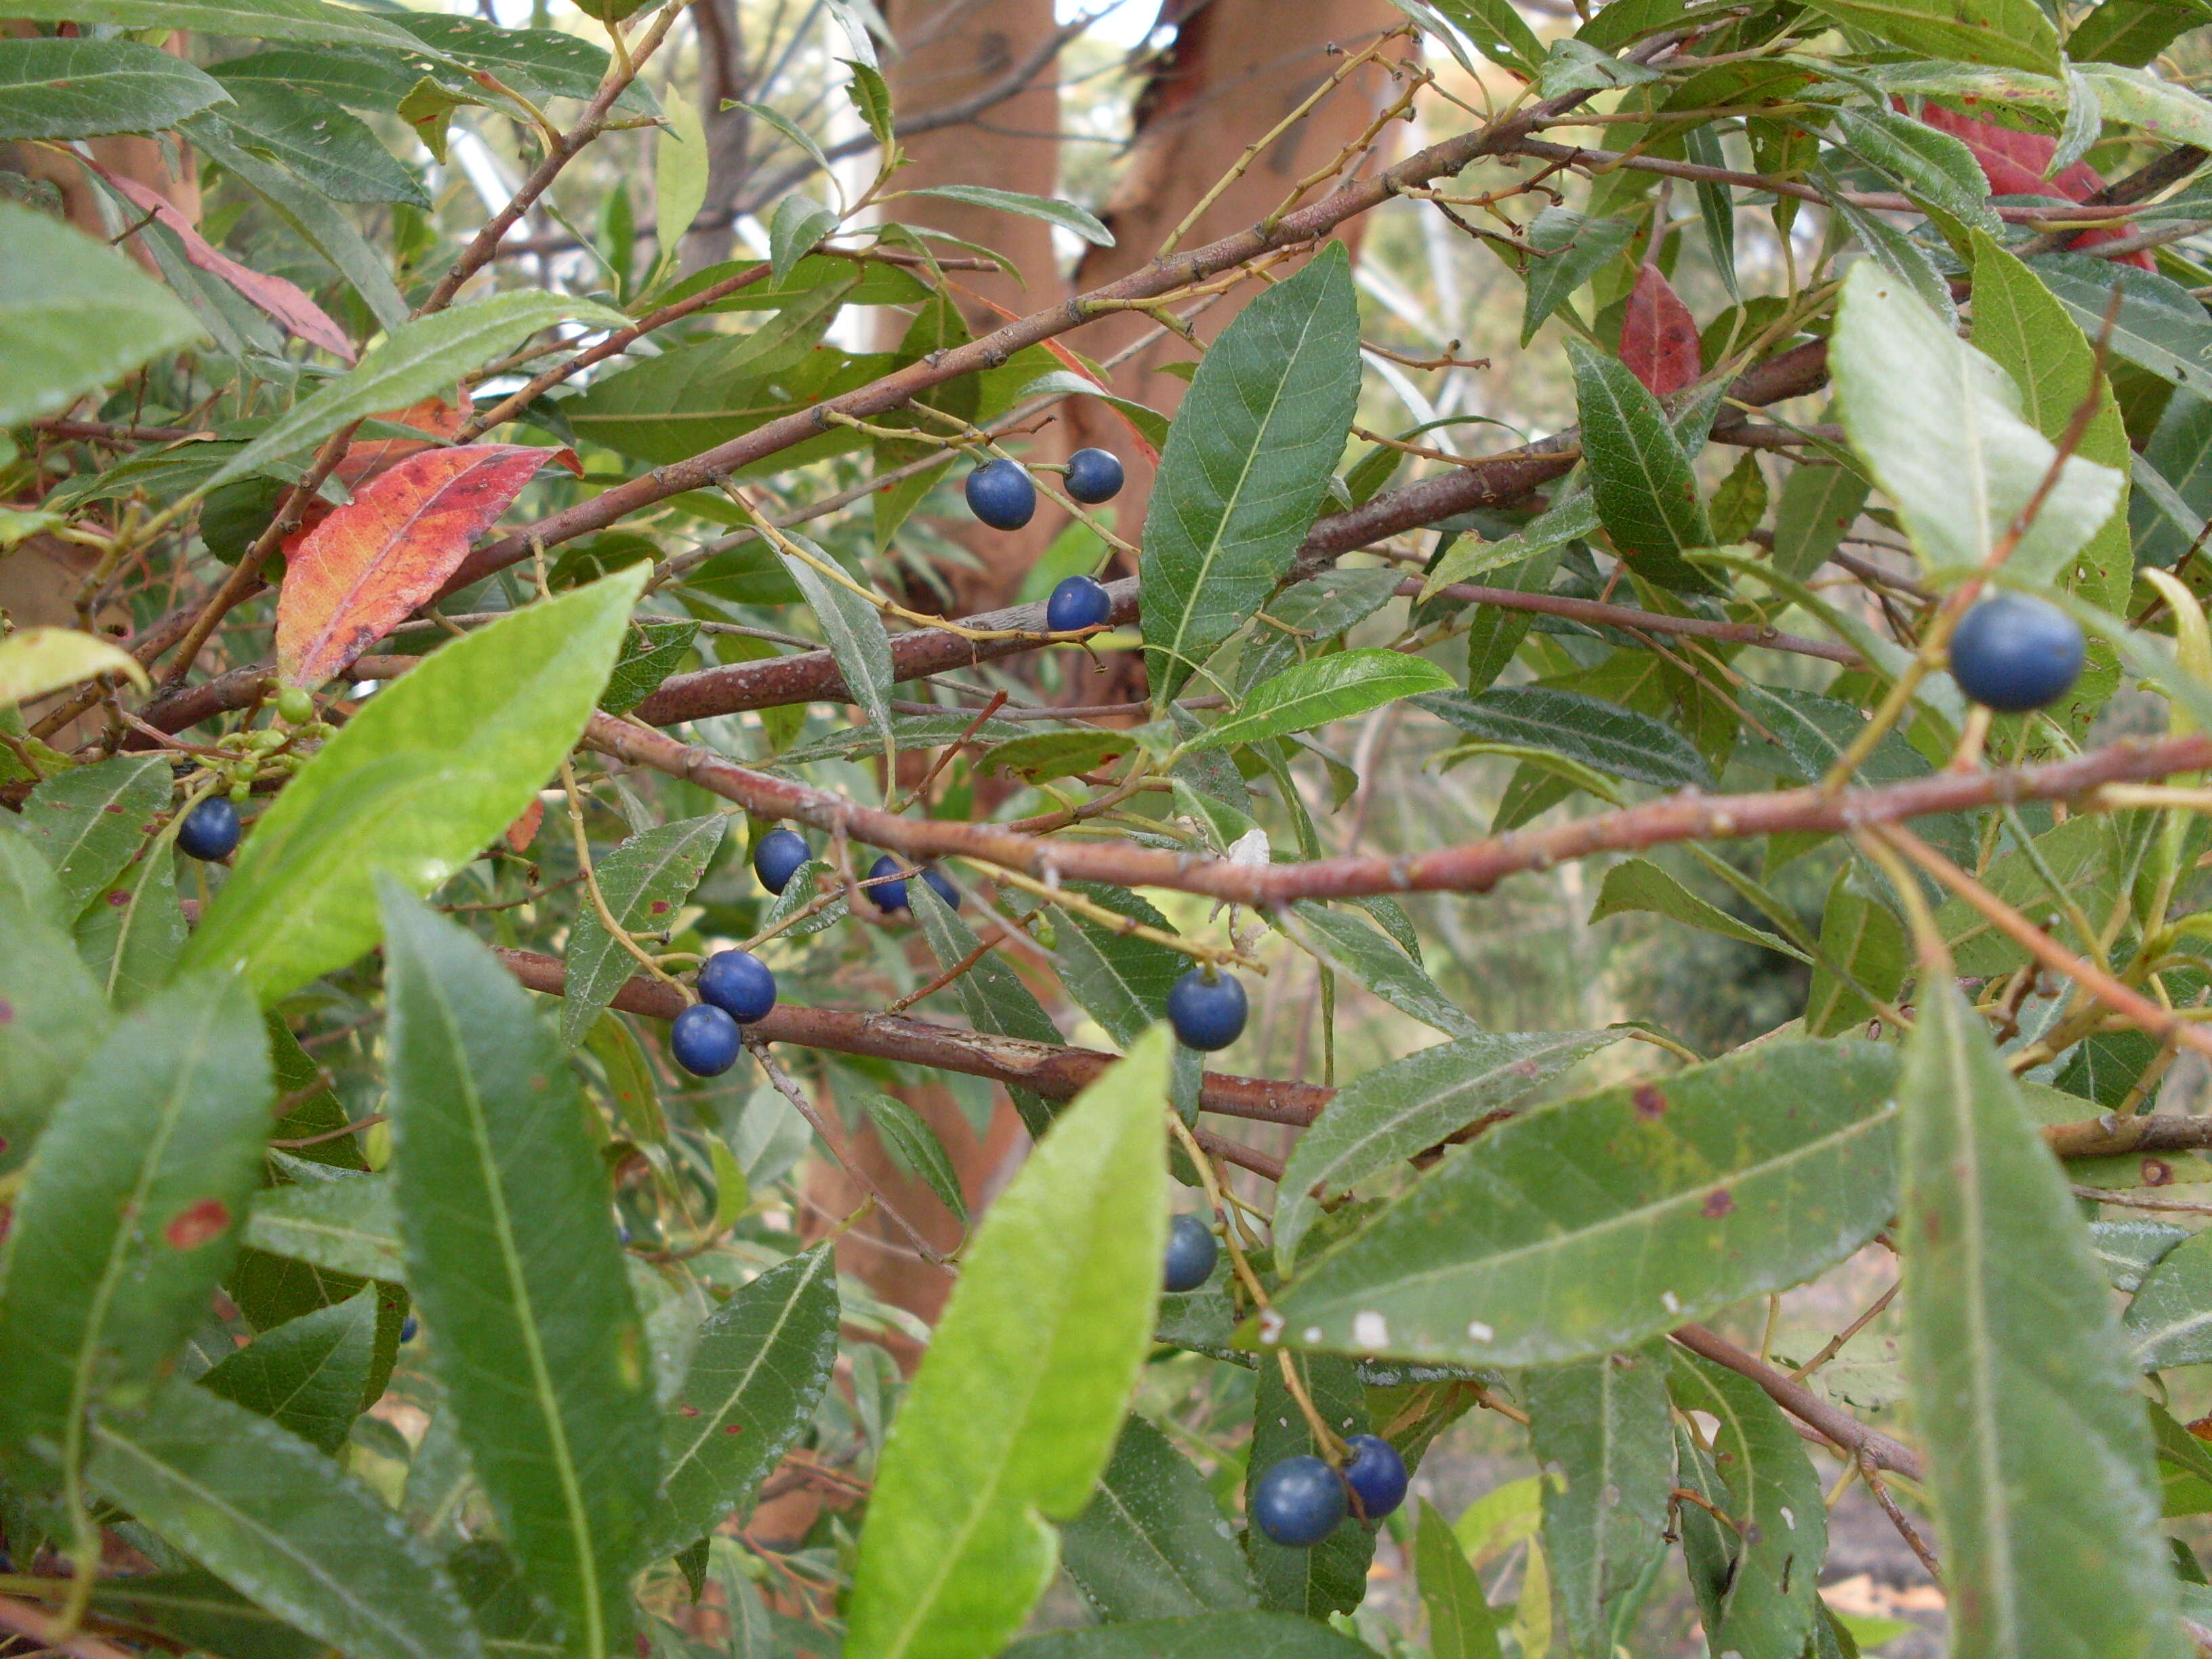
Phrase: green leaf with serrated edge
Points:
(1041, 756)
(1930, 165)
(132, 934)
(75, 315)
(1330, 1577)
(90, 819)
(916, 1148)
(2131, 32)
(1498, 32)
(283, 1523)
(1640, 884)
(426, 774)
(991, 994)
(126, 1220)
(1246, 464)
(203, 1614)
(316, 140)
(2136, 97)
(1013, 1413)
(83, 88)
(1277, 1635)
(2127, 1250)
(854, 629)
(253, 19)
(1311, 613)
(56, 1013)
(1153, 1544)
(346, 1226)
(1119, 980)
(2008, 34)
(1866, 942)
(1772, 1493)
(645, 882)
(1064, 215)
(307, 1375)
(511, 1254)
(871, 96)
(1818, 504)
(2170, 1321)
(415, 361)
(1686, 1194)
(1640, 474)
(1412, 1104)
(1331, 688)
(1618, 742)
(1573, 248)
(1940, 424)
(2039, 1464)
(2158, 327)
(1355, 947)
(638, 675)
(1461, 1622)
(1603, 1426)
(762, 1361)
(318, 221)
(801, 890)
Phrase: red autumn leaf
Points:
(2013, 161)
(197, 1224)
(440, 420)
(360, 571)
(1658, 336)
(524, 829)
(285, 302)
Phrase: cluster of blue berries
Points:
(736, 987)
(1001, 494)
(1300, 1500)
(2013, 652)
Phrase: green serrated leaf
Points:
(1640, 884)
(89, 820)
(2008, 34)
(1354, 946)
(1640, 475)
(55, 1013)
(914, 1145)
(1574, 248)
(315, 139)
(644, 881)
(345, 1226)
(1153, 1543)
(1619, 742)
(1064, 215)
(1332, 688)
(1603, 1425)
(83, 88)
(308, 1375)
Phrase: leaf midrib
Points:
(760, 1358)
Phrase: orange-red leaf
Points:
(359, 573)
(1658, 336)
(524, 829)
(2013, 161)
(287, 302)
(440, 420)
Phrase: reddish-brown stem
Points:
(1860, 1443)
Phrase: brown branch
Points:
(1621, 616)
(1234, 1152)
(43, 1627)
(1864, 1444)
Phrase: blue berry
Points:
(777, 858)
(1094, 474)
(891, 895)
(1299, 1501)
(2014, 653)
(1000, 494)
(1207, 1009)
(210, 830)
(738, 983)
(1376, 1475)
(1192, 1253)
(408, 1327)
(941, 885)
(1076, 603)
(705, 1040)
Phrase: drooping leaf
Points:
(1332, 688)
(1013, 1413)
(1621, 742)
(991, 994)
(363, 569)
(283, 1523)
(1930, 165)
(2039, 1462)
(1640, 884)
(307, 1375)
(127, 1214)
(1866, 942)
(1588, 1225)
(679, 176)
(74, 316)
(1461, 1622)
(1604, 1424)
(1120, 980)
(1767, 1601)
(511, 1252)
(762, 1361)
(82, 88)
(1064, 215)
(1246, 464)
(1411, 1105)
(915, 1147)
(426, 774)
(1940, 425)
(854, 631)
(1153, 1543)
(644, 881)
(1640, 473)
(89, 820)
(1356, 947)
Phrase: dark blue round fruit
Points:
(777, 858)
(1192, 1253)
(941, 885)
(1000, 493)
(1376, 1475)
(1207, 1009)
(1076, 603)
(890, 894)
(210, 830)
(705, 1040)
(738, 983)
(1094, 474)
(1299, 1501)
(2014, 653)
(408, 1327)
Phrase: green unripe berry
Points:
(295, 707)
(266, 740)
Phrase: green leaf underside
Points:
(1589, 1225)
(1014, 1412)
(512, 1255)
